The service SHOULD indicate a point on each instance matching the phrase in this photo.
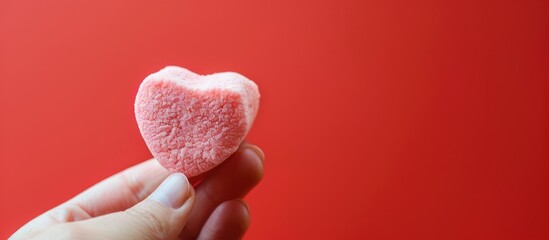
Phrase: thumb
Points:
(162, 215)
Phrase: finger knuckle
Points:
(153, 226)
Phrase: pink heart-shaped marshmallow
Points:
(192, 123)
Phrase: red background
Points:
(380, 119)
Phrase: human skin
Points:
(147, 202)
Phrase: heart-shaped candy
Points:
(192, 123)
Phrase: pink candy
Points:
(192, 123)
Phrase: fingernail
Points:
(245, 206)
(173, 192)
(257, 151)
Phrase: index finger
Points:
(116, 193)
(122, 190)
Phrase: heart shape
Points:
(192, 123)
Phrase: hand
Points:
(133, 204)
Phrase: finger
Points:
(122, 190)
(233, 179)
(230, 220)
(116, 193)
(162, 215)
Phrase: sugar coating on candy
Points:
(192, 123)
